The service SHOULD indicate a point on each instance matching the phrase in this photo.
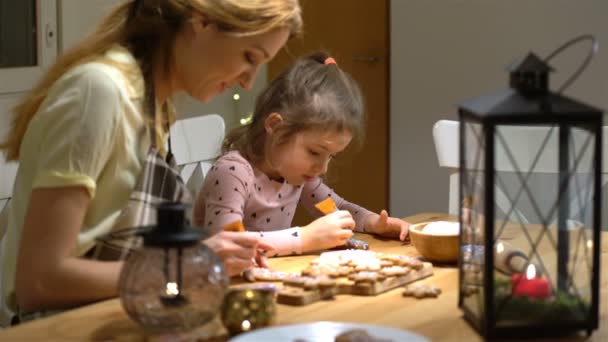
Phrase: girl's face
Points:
(208, 61)
(307, 154)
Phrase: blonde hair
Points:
(147, 28)
(312, 94)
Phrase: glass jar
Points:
(174, 283)
(249, 307)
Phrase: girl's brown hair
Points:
(147, 28)
(310, 95)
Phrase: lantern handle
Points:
(592, 52)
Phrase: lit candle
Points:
(530, 285)
(172, 289)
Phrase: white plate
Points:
(322, 332)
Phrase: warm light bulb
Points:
(500, 247)
(589, 244)
(246, 325)
(531, 272)
(172, 289)
(236, 97)
(243, 121)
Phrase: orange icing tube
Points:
(236, 226)
(327, 206)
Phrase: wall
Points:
(446, 51)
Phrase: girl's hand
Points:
(328, 231)
(387, 226)
(238, 250)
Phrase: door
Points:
(356, 33)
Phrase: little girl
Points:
(303, 119)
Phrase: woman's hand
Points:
(239, 251)
(328, 231)
(387, 226)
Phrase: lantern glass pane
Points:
(472, 208)
(543, 183)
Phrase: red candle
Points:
(530, 285)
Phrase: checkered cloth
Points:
(159, 182)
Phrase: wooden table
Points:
(437, 319)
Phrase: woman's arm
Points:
(48, 276)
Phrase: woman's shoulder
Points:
(91, 77)
(115, 70)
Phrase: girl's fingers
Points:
(347, 223)
(344, 214)
(345, 234)
(383, 220)
(404, 231)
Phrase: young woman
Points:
(81, 135)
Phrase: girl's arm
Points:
(48, 275)
(366, 221)
(325, 232)
(316, 191)
(222, 201)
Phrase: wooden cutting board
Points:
(292, 295)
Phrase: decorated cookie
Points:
(421, 291)
(365, 277)
(353, 243)
(393, 271)
(265, 274)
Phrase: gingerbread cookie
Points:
(297, 281)
(353, 243)
(421, 291)
(395, 271)
(366, 277)
(265, 274)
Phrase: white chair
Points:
(523, 141)
(8, 172)
(196, 143)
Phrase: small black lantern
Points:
(530, 168)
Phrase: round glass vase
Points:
(174, 283)
(152, 301)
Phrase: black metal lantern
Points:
(174, 283)
(530, 168)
